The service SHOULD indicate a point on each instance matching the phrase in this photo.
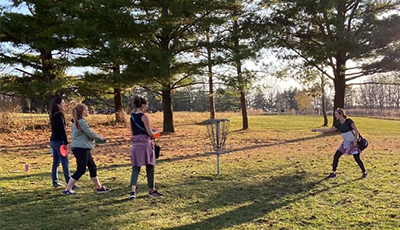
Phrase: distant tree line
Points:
(362, 96)
(375, 93)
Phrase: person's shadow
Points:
(254, 201)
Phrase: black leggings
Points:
(338, 154)
(84, 158)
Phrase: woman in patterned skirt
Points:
(349, 146)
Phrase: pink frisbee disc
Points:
(63, 150)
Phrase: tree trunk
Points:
(244, 110)
(48, 76)
(47, 66)
(164, 42)
(323, 100)
(168, 123)
(340, 86)
(324, 110)
(340, 68)
(119, 109)
(240, 80)
(210, 81)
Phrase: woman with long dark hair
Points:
(349, 146)
(58, 138)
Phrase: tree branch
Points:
(375, 83)
(354, 6)
(180, 80)
(147, 88)
(23, 71)
(189, 84)
(23, 62)
(305, 58)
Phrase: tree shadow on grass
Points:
(254, 202)
(26, 147)
(250, 201)
(187, 157)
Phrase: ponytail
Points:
(75, 118)
(77, 113)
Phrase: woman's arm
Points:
(353, 125)
(331, 129)
(84, 126)
(60, 128)
(147, 126)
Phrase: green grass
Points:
(273, 179)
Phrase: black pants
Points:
(84, 158)
(338, 154)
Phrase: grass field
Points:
(272, 179)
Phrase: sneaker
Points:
(67, 193)
(103, 189)
(364, 175)
(155, 193)
(75, 186)
(331, 176)
(56, 185)
(132, 196)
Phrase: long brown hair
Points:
(77, 111)
(54, 107)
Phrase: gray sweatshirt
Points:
(84, 136)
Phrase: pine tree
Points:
(169, 46)
(239, 46)
(334, 32)
(110, 39)
(35, 44)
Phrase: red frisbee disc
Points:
(63, 150)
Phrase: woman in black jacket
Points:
(58, 138)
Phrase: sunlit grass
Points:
(273, 179)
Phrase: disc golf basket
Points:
(217, 130)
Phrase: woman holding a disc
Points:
(349, 146)
(57, 139)
(142, 151)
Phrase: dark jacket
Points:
(58, 131)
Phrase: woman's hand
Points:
(156, 131)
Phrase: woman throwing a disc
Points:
(142, 151)
(58, 138)
(349, 131)
(82, 143)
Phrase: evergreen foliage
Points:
(334, 32)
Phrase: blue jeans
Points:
(55, 145)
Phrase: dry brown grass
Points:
(186, 133)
